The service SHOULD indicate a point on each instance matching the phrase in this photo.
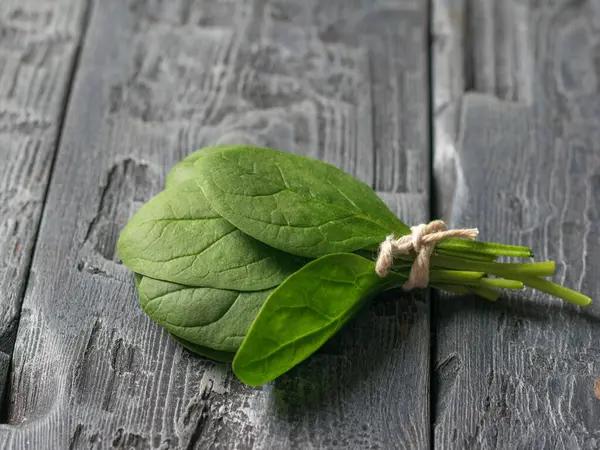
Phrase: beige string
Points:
(422, 240)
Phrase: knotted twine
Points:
(422, 240)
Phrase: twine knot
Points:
(422, 240)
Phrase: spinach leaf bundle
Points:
(257, 257)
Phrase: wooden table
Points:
(486, 113)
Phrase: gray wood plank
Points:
(448, 86)
(522, 373)
(343, 81)
(38, 42)
(4, 370)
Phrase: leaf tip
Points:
(248, 377)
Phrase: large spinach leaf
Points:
(178, 237)
(303, 313)
(184, 169)
(198, 349)
(214, 318)
(297, 204)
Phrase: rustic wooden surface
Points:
(38, 45)
(98, 99)
(522, 151)
(343, 81)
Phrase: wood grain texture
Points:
(478, 46)
(38, 42)
(521, 373)
(448, 86)
(4, 370)
(342, 81)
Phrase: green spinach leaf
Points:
(214, 318)
(297, 204)
(206, 352)
(303, 313)
(178, 237)
(137, 279)
(184, 169)
(226, 357)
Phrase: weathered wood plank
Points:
(4, 369)
(343, 81)
(521, 373)
(38, 42)
(448, 86)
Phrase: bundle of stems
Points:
(462, 267)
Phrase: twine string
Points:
(422, 241)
